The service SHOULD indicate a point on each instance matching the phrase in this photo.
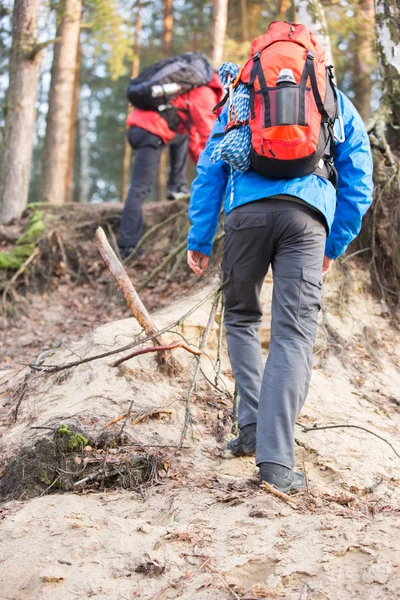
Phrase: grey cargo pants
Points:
(291, 238)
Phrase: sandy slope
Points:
(205, 531)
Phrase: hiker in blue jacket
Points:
(298, 226)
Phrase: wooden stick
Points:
(135, 304)
(156, 349)
(281, 495)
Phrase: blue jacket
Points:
(343, 209)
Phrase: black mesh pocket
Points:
(288, 105)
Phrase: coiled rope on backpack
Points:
(235, 145)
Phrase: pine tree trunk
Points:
(161, 187)
(69, 181)
(55, 154)
(16, 152)
(388, 42)
(311, 14)
(245, 20)
(364, 50)
(381, 227)
(220, 12)
(126, 159)
(84, 149)
(168, 26)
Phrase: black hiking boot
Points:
(282, 478)
(245, 443)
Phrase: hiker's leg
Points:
(178, 151)
(297, 272)
(247, 255)
(144, 171)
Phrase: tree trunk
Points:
(55, 154)
(245, 20)
(364, 51)
(388, 41)
(312, 15)
(220, 12)
(84, 149)
(69, 181)
(126, 159)
(161, 187)
(168, 26)
(381, 227)
(283, 9)
(16, 154)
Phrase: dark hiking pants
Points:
(291, 238)
(144, 173)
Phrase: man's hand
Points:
(326, 264)
(197, 261)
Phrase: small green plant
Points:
(72, 441)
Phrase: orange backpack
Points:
(293, 104)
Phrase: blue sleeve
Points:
(353, 162)
(207, 194)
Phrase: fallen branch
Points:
(281, 495)
(307, 429)
(70, 365)
(202, 346)
(135, 304)
(155, 349)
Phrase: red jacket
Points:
(197, 118)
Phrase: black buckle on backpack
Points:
(310, 55)
(256, 56)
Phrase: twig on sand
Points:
(156, 349)
(141, 416)
(281, 495)
(306, 476)
(125, 421)
(218, 362)
(23, 387)
(307, 429)
(70, 365)
(226, 584)
(202, 346)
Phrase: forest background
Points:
(117, 37)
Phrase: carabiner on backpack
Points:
(341, 137)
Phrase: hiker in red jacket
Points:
(148, 134)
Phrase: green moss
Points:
(33, 230)
(25, 245)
